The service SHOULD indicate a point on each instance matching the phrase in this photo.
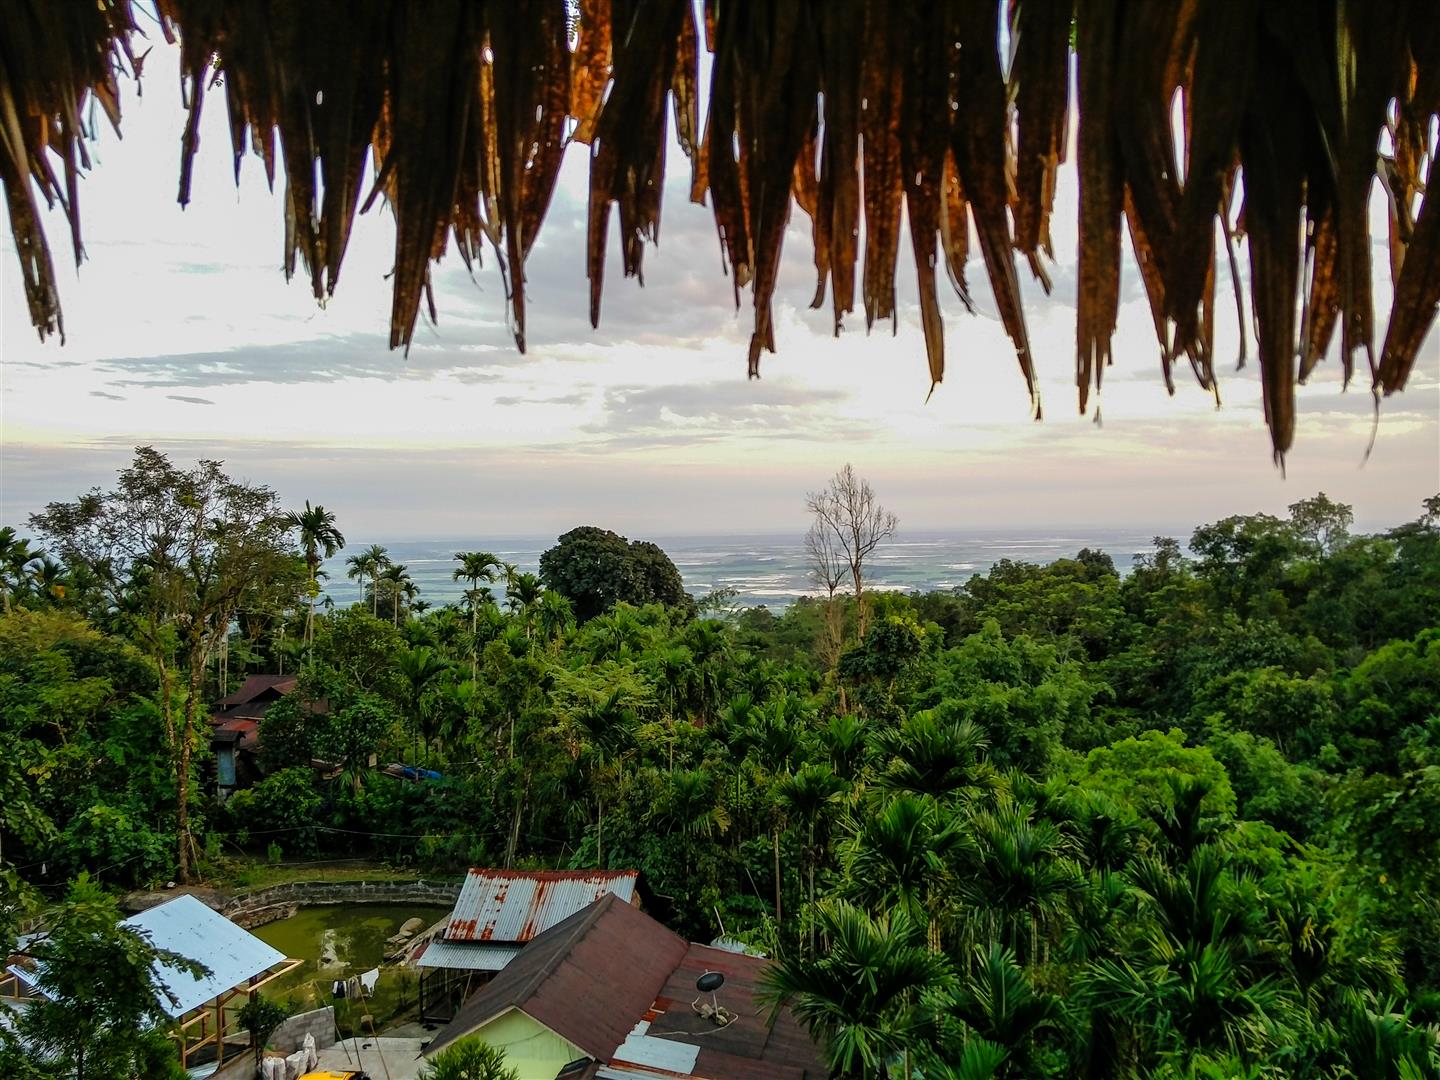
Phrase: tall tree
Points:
(848, 511)
(826, 567)
(361, 567)
(378, 560)
(595, 569)
(177, 551)
(319, 540)
(869, 998)
(475, 567)
(397, 577)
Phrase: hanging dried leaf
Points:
(1272, 147)
(1223, 39)
(590, 67)
(464, 108)
(1041, 75)
(627, 162)
(923, 155)
(882, 66)
(1102, 188)
(979, 147)
(841, 23)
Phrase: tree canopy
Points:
(1177, 822)
(595, 569)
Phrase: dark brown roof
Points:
(259, 687)
(589, 978)
(750, 1047)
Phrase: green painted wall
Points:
(531, 1049)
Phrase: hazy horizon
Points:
(183, 334)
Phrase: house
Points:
(235, 729)
(611, 994)
(496, 914)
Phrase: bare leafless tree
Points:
(828, 569)
(848, 512)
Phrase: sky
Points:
(183, 333)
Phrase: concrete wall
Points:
(287, 1038)
(290, 1035)
(281, 901)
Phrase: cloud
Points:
(108, 397)
(683, 414)
(190, 400)
(577, 398)
(318, 360)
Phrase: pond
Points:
(338, 941)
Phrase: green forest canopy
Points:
(1055, 822)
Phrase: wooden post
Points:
(219, 1031)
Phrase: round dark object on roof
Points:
(710, 982)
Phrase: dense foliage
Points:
(1183, 822)
(595, 569)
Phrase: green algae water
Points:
(338, 941)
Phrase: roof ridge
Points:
(496, 871)
(564, 946)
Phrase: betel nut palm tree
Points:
(475, 567)
(397, 576)
(319, 539)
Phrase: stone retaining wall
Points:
(281, 901)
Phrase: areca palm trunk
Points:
(811, 869)
(776, 836)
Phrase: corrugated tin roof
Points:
(643, 1049)
(588, 979)
(186, 926)
(517, 905)
(467, 955)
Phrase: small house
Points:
(497, 913)
(611, 994)
(235, 729)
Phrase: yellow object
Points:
(332, 1076)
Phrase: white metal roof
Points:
(190, 928)
(515, 905)
(648, 1051)
(467, 955)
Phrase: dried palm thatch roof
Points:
(850, 108)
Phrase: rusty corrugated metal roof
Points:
(516, 905)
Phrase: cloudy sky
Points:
(182, 332)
